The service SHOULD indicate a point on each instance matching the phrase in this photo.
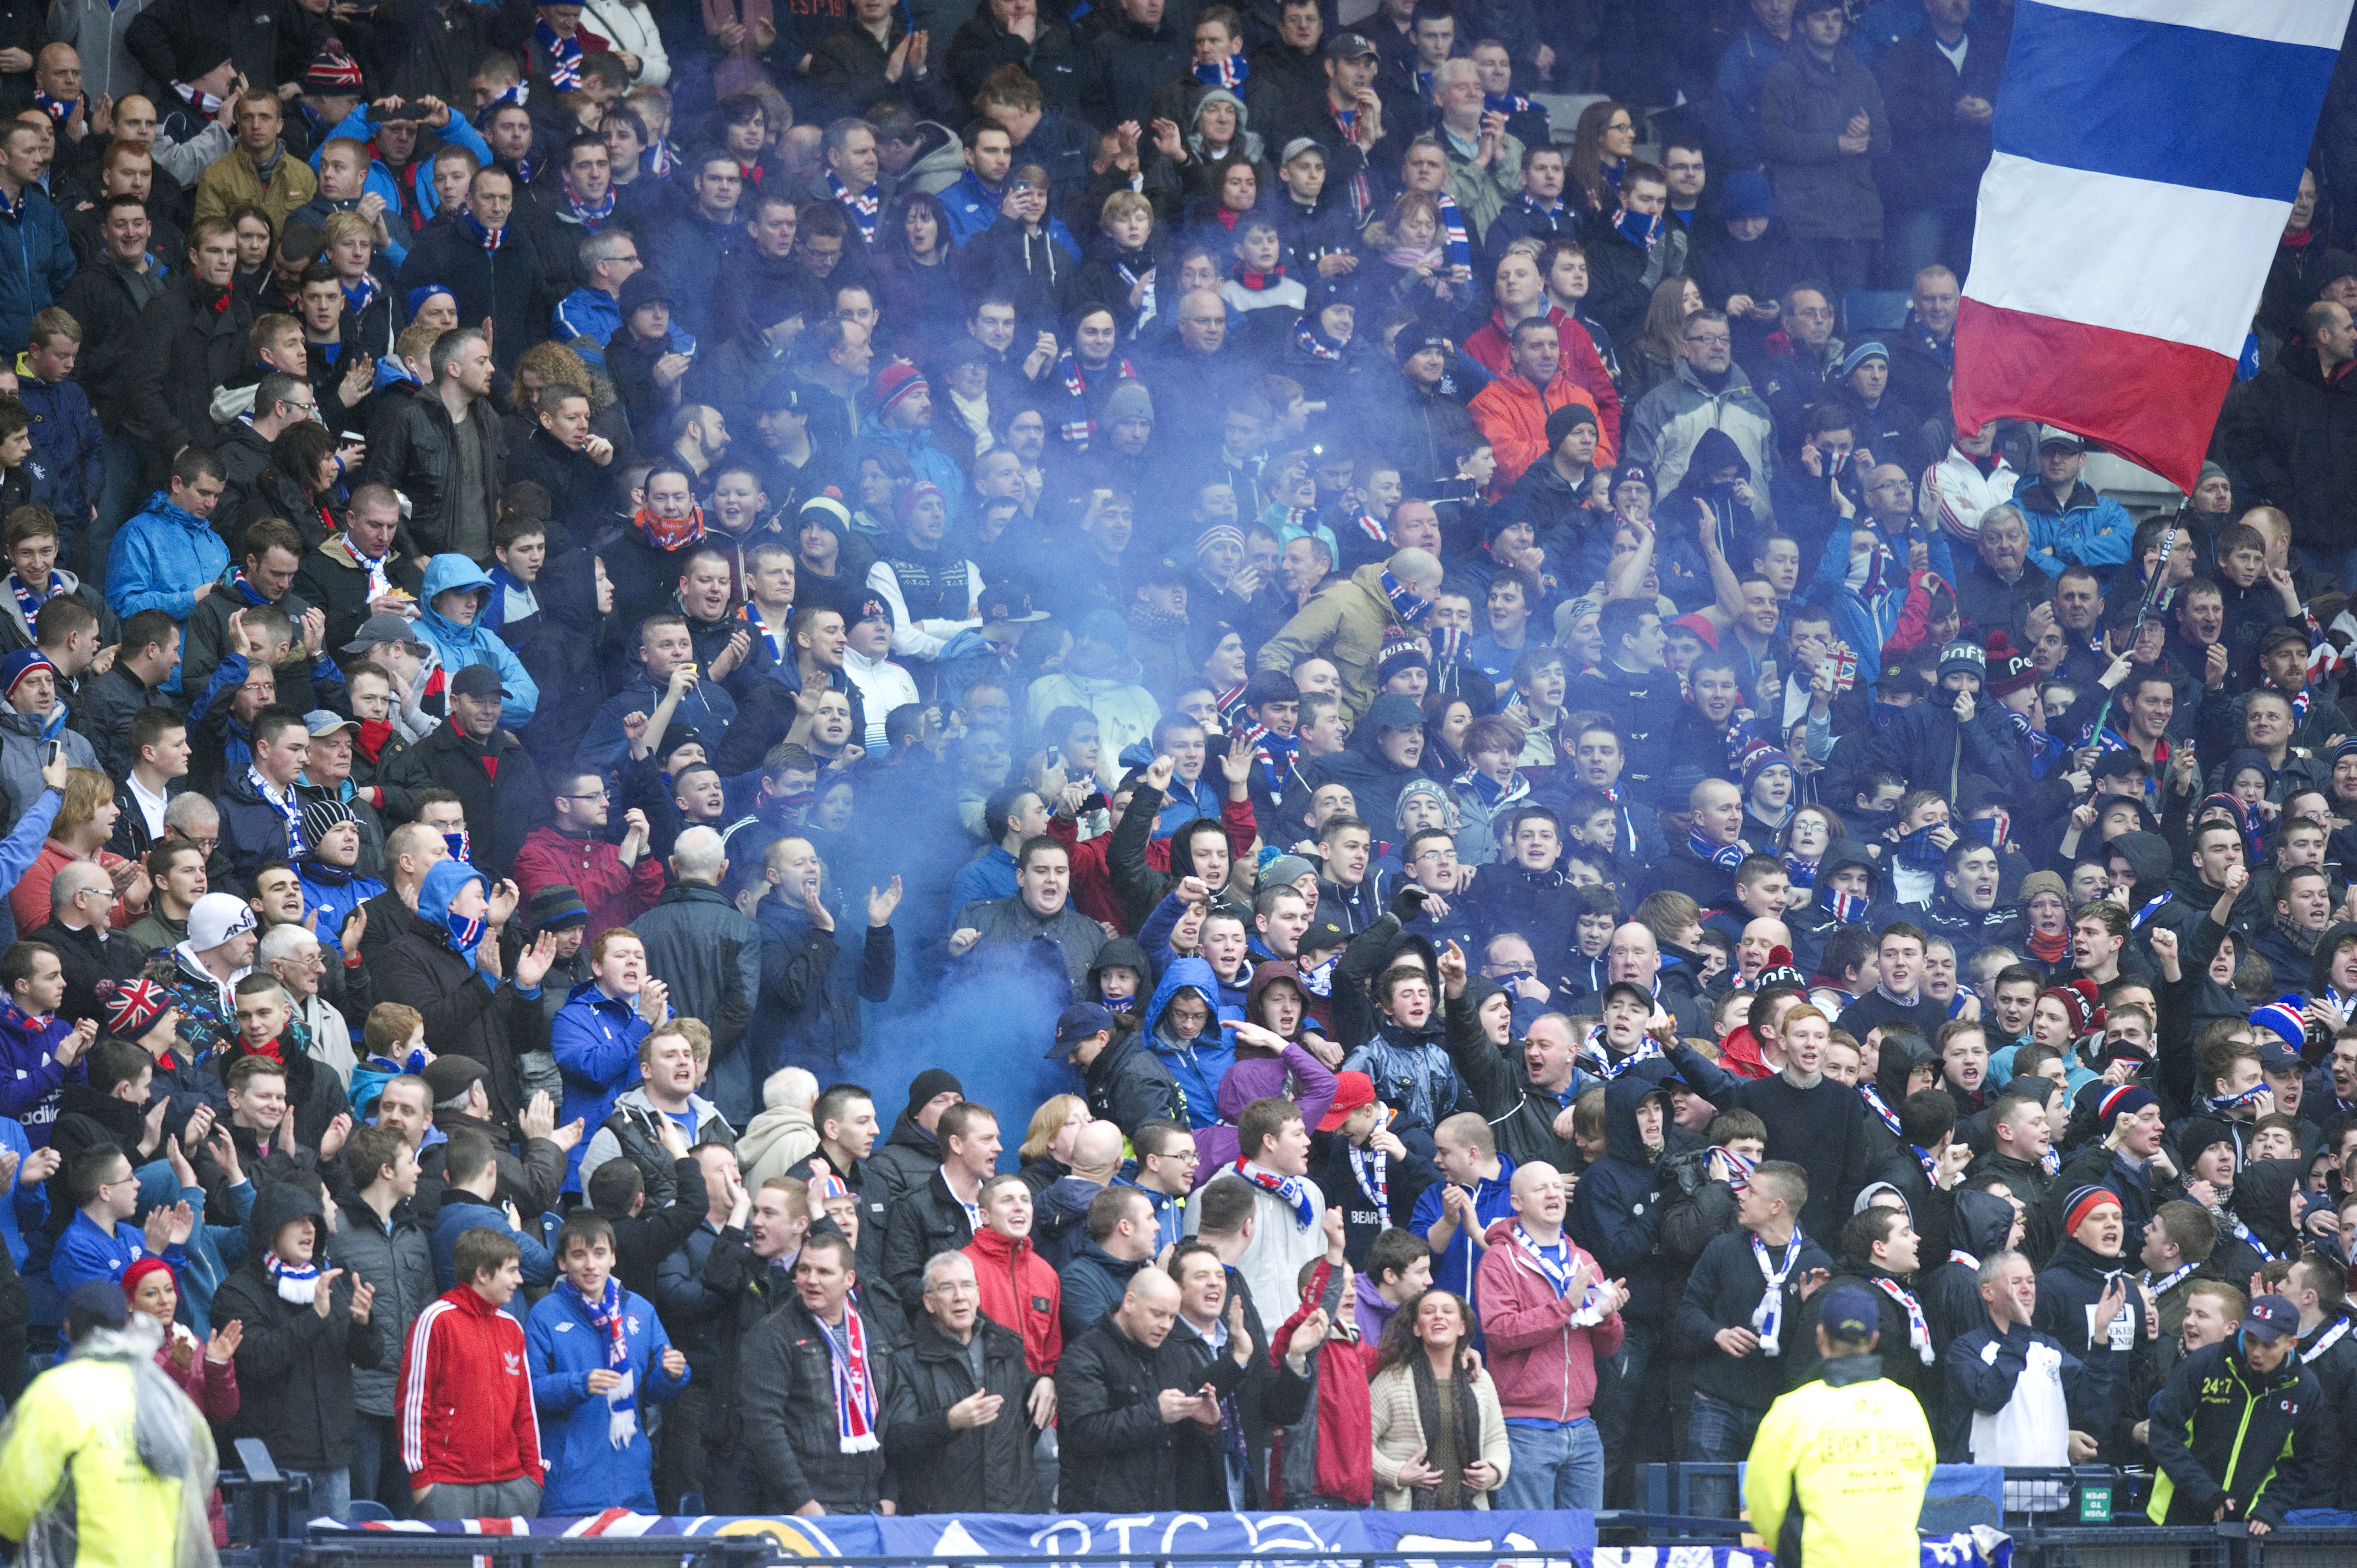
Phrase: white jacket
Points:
(630, 27)
(1953, 494)
(883, 686)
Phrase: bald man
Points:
(1702, 866)
(1115, 1404)
(1346, 625)
(1635, 956)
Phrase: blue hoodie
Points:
(1199, 1067)
(595, 1039)
(159, 558)
(459, 646)
(926, 460)
(444, 881)
(586, 1471)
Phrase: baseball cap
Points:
(319, 722)
(1849, 1313)
(2055, 436)
(2269, 1319)
(1324, 934)
(1080, 1021)
(1351, 1089)
(1348, 46)
(2117, 764)
(382, 627)
(1009, 603)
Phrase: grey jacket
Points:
(1822, 192)
(1668, 422)
(1008, 923)
(398, 1260)
(96, 31)
(20, 757)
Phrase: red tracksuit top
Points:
(466, 1395)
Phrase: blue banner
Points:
(1312, 1538)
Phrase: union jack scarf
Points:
(1230, 705)
(855, 1387)
(864, 207)
(564, 57)
(1292, 1190)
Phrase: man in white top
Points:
(2016, 1396)
(1288, 1209)
(867, 660)
(293, 953)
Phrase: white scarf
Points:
(1767, 1317)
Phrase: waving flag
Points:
(2147, 152)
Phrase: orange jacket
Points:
(1020, 1293)
(1513, 415)
(1490, 348)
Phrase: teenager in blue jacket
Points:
(599, 1358)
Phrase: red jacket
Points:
(466, 1395)
(1543, 1367)
(616, 893)
(1490, 348)
(1092, 892)
(1020, 1293)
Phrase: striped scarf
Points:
(864, 207)
(606, 1316)
(297, 1283)
(855, 1387)
(29, 603)
(564, 57)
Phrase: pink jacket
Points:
(211, 1386)
(1543, 1367)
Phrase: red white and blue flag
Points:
(2146, 156)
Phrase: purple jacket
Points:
(1297, 1074)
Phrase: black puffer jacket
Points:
(463, 1014)
(1106, 1408)
(925, 1221)
(907, 1160)
(785, 1375)
(294, 1367)
(982, 1469)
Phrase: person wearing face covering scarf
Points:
(574, 656)
(1865, 587)
(447, 965)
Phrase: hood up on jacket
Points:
(443, 882)
(1839, 855)
(278, 1204)
(2320, 970)
(1983, 1223)
(2263, 1202)
(1189, 974)
(1275, 973)
(1901, 1054)
(2148, 855)
(1121, 953)
(1621, 1097)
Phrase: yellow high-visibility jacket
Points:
(73, 1427)
(1853, 1453)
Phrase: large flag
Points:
(2148, 153)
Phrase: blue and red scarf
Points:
(564, 57)
(1292, 1190)
(855, 1387)
(606, 1315)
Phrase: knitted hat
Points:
(132, 1005)
(1400, 652)
(1218, 533)
(642, 288)
(332, 73)
(2080, 1005)
(21, 663)
(827, 513)
(1758, 758)
(905, 508)
(1962, 656)
(1278, 869)
(2009, 668)
(2124, 1101)
(933, 1080)
(321, 818)
(1560, 422)
(2283, 1017)
(215, 918)
(1633, 473)
(1746, 194)
(1128, 400)
(1415, 787)
(1861, 355)
(2083, 1201)
(1779, 971)
(2038, 882)
(418, 297)
(892, 383)
(557, 907)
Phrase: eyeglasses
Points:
(597, 795)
